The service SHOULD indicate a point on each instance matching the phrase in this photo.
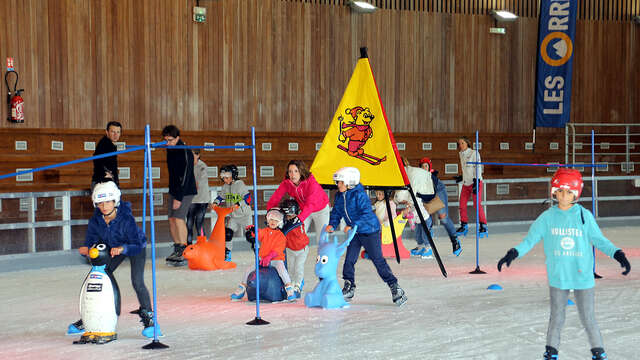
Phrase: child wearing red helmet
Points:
(568, 232)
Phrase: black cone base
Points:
(155, 345)
(477, 271)
(258, 321)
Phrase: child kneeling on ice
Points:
(568, 232)
(272, 245)
(353, 205)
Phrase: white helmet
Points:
(275, 214)
(349, 175)
(105, 191)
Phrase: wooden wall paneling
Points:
(81, 67)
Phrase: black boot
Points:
(550, 353)
(397, 294)
(455, 244)
(349, 290)
(598, 354)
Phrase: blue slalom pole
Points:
(593, 197)
(477, 270)
(144, 194)
(155, 344)
(258, 320)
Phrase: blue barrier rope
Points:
(76, 161)
(204, 147)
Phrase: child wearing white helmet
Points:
(352, 204)
(568, 232)
(234, 193)
(113, 223)
(271, 253)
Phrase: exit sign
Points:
(199, 14)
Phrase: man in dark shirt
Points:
(182, 189)
(107, 168)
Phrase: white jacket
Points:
(420, 180)
(469, 170)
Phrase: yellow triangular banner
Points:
(360, 136)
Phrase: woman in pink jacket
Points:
(300, 184)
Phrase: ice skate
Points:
(483, 232)
(398, 295)
(239, 293)
(418, 251)
(427, 254)
(455, 244)
(291, 296)
(146, 317)
(598, 354)
(550, 353)
(463, 229)
(76, 328)
(348, 290)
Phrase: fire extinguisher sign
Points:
(9, 64)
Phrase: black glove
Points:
(474, 187)
(250, 234)
(622, 259)
(512, 254)
(458, 178)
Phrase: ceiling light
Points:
(503, 15)
(362, 7)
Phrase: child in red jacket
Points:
(297, 244)
(271, 253)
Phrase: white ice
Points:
(445, 318)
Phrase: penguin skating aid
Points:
(99, 299)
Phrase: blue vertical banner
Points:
(556, 34)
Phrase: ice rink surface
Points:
(445, 318)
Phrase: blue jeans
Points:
(372, 245)
(421, 236)
(446, 221)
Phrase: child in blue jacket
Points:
(113, 223)
(568, 232)
(353, 205)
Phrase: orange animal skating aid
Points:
(209, 255)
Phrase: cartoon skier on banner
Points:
(357, 130)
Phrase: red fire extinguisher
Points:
(15, 102)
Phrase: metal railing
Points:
(612, 189)
(625, 146)
(609, 185)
